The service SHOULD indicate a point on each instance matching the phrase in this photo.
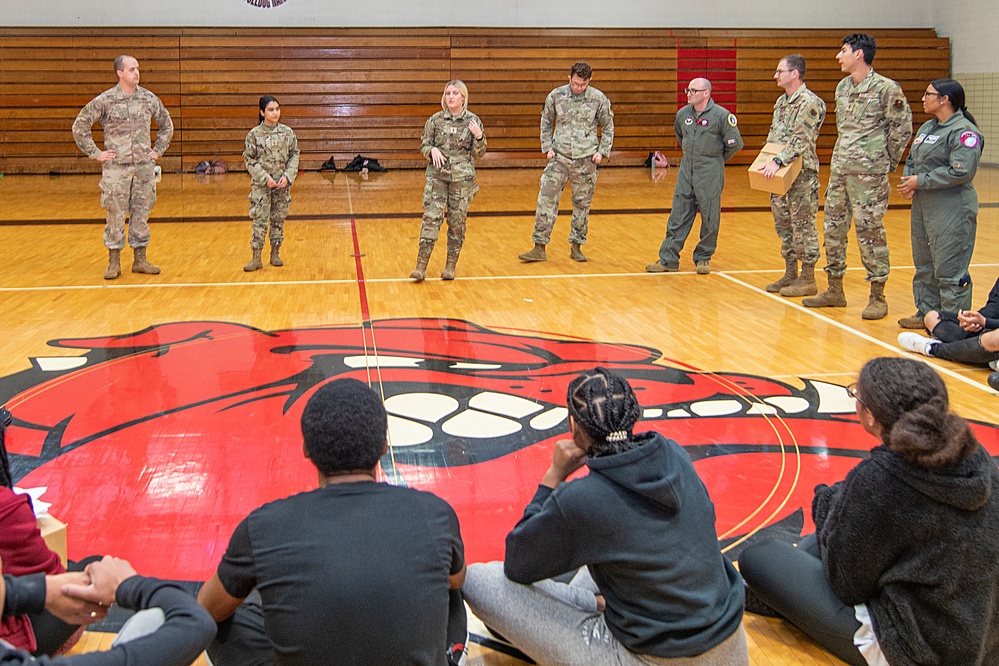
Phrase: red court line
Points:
(362, 292)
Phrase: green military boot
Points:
(877, 306)
(804, 285)
(255, 263)
(422, 259)
(833, 297)
(575, 253)
(537, 254)
(140, 265)
(790, 274)
(114, 264)
(276, 255)
(449, 266)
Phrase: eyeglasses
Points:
(851, 391)
(691, 91)
(782, 71)
(928, 94)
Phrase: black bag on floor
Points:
(361, 162)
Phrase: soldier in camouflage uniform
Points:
(128, 180)
(452, 140)
(569, 139)
(271, 157)
(875, 123)
(709, 136)
(798, 116)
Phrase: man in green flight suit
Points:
(569, 139)
(709, 136)
(875, 124)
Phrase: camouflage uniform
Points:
(874, 123)
(451, 187)
(569, 127)
(796, 124)
(270, 152)
(127, 182)
(708, 140)
(944, 158)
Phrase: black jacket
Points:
(643, 524)
(921, 549)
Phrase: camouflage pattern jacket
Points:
(874, 122)
(271, 152)
(796, 124)
(569, 123)
(125, 119)
(450, 135)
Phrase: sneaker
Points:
(703, 268)
(917, 343)
(659, 268)
(994, 381)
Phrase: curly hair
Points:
(344, 425)
(910, 403)
(604, 405)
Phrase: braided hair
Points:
(603, 404)
(909, 401)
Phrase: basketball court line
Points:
(895, 349)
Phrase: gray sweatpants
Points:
(558, 624)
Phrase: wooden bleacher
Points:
(347, 91)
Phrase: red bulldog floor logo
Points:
(154, 445)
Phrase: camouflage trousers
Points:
(864, 196)
(582, 174)
(127, 191)
(794, 219)
(452, 198)
(268, 205)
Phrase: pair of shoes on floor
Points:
(659, 268)
(917, 343)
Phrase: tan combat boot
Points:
(452, 262)
(422, 259)
(537, 254)
(804, 285)
(575, 253)
(916, 321)
(877, 306)
(833, 297)
(140, 265)
(275, 255)
(790, 273)
(114, 264)
(255, 263)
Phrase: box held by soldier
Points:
(782, 180)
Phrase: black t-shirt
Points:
(352, 573)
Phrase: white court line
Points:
(895, 349)
(406, 279)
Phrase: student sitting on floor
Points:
(966, 336)
(353, 572)
(171, 629)
(903, 568)
(653, 586)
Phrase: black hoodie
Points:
(644, 525)
(921, 549)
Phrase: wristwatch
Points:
(779, 162)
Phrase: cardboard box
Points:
(782, 180)
(54, 533)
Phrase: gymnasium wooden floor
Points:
(159, 410)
